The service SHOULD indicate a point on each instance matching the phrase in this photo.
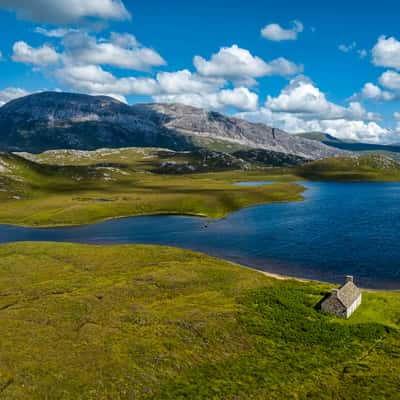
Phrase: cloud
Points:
(94, 80)
(347, 48)
(362, 131)
(236, 63)
(390, 80)
(239, 98)
(67, 12)
(42, 56)
(180, 86)
(53, 33)
(302, 97)
(396, 116)
(186, 82)
(124, 40)
(371, 91)
(362, 53)
(11, 93)
(386, 52)
(302, 107)
(120, 50)
(276, 33)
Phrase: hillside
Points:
(52, 120)
(392, 151)
(148, 322)
(321, 137)
(365, 168)
(69, 187)
(76, 187)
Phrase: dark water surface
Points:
(340, 228)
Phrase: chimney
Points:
(349, 278)
(335, 292)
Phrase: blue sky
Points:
(297, 65)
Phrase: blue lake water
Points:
(254, 183)
(340, 228)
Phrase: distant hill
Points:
(320, 137)
(53, 120)
(353, 146)
(367, 168)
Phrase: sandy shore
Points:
(283, 277)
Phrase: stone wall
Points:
(332, 305)
(354, 306)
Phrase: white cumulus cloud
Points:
(239, 98)
(120, 50)
(93, 79)
(302, 107)
(390, 80)
(239, 64)
(178, 87)
(277, 33)
(43, 55)
(66, 12)
(370, 132)
(302, 97)
(386, 52)
(185, 81)
(370, 91)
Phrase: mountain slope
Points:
(203, 124)
(368, 168)
(52, 120)
(47, 121)
(353, 146)
(321, 137)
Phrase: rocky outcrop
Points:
(269, 158)
(198, 161)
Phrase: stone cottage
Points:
(343, 301)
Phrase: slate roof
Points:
(348, 294)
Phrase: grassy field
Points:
(60, 188)
(366, 168)
(148, 322)
(70, 188)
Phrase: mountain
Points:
(320, 137)
(54, 120)
(392, 150)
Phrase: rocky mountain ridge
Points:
(54, 120)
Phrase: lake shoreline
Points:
(313, 239)
(155, 214)
(273, 275)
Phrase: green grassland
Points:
(70, 188)
(148, 322)
(66, 187)
(352, 169)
